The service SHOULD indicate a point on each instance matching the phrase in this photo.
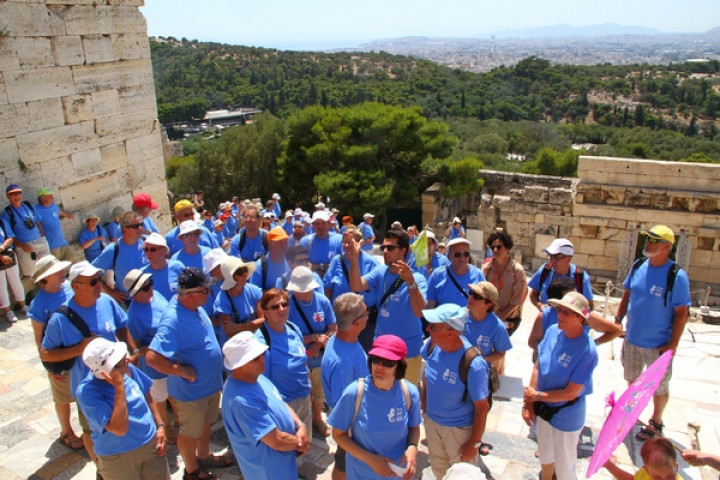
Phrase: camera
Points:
(29, 223)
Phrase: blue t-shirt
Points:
(149, 225)
(96, 398)
(288, 227)
(104, 319)
(231, 227)
(188, 337)
(442, 290)
(283, 280)
(381, 425)
(250, 412)
(165, 279)
(445, 389)
(319, 314)
(549, 318)
(336, 281)
(114, 230)
(286, 363)
(143, 322)
(367, 232)
(195, 260)
(45, 303)
(562, 360)
(51, 225)
(253, 247)
(94, 250)
(19, 229)
(175, 244)
(245, 304)
(534, 282)
(489, 334)
(342, 364)
(129, 257)
(322, 250)
(456, 232)
(273, 272)
(396, 316)
(650, 322)
(218, 235)
(436, 261)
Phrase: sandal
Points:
(484, 449)
(322, 429)
(215, 461)
(198, 474)
(649, 431)
(72, 441)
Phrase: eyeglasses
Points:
(461, 254)
(134, 226)
(497, 247)
(241, 271)
(148, 285)
(558, 257)
(365, 314)
(191, 234)
(92, 282)
(383, 361)
(203, 291)
(388, 247)
(279, 306)
(251, 217)
(152, 249)
(653, 241)
(433, 327)
(476, 296)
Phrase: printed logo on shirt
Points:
(657, 291)
(483, 342)
(318, 317)
(277, 394)
(565, 360)
(395, 415)
(108, 327)
(135, 391)
(450, 377)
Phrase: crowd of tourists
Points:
(275, 317)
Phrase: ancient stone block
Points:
(9, 151)
(599, 262)
(584, 210)
(114, 128)
(86, 162)
(87, 20)
(25, 19)
(130, 46)
(77, 108)
(539, 218)
(141, 149)
(89, 192)
(670, 218)
(614, 195)
(562, 196)
(635, 198)
(581, 260)
(517, 194)
(142, 97)
(594, 221)
(536, 194)
(59, 169)
(47, 113)
(701, 258)
(113, 156)
(560, 220)
(485, 200)
(36, 84)
(502, 201)
(98, 49)
(109, 76)
(542, 241)
(612, 248)
(127, 3)
(105, 103)
(3, 93)
(708, 220)
(35, 52)
(587, 193)
(589, 231)
(14, 119)
(55, 142)
(8, 54)
(68, 50)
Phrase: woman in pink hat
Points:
(377, 419)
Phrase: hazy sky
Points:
(324, 23)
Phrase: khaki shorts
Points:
(139, 464)
(414, 369)
(635, 359)
(83, 422)
(444, 445)
(316, 386)
(159, 390)
(60, 389)
(303, 409)
(193, 416)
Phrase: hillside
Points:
(194, 76)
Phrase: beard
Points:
(649, 254)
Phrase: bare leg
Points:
(659, 404)
(63, 414)
(89, 447)
(203, 443)
(336, 475)
(187, 447)
(546, 471)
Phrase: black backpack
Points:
(671, 275)
(578, 277)
(464, 366)
(263, 239)
(65, 365)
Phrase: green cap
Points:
(44, 191)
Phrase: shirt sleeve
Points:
(342, 415)
(680, 295)
(414, 417)
(478, 379)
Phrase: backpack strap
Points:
(671, 275)
(264, 240)
(358, 401)
(236, 317)
(263, 270)
(544, 274)
(241, 244)
(393, 288)
(464, 367)
(579, 277)
(302, 315)
(265, 334)
(75, 320)
(406, 394)
(457, 285)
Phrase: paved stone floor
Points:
(28, 426)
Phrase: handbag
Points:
(11, 254)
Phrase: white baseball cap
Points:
(101, 355)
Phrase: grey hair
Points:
(348, 308)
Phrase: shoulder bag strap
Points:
(302, 315)
(457, 285)
(358, 401)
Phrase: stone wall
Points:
(601, 212)
(77, 105)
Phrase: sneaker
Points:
(23, 311)
(11, 317)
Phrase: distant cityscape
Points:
(484, 54)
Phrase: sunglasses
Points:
(433, 327)
(653, 241)
(279, 306)
(92, 282)
(305, 260)
(152, 249)
(148, 285)
(461, 254)
(476, 296)
(241, 271)
(134, 226)
(388, 247)
(558, 257)
(204, 291)
(383, 361)
(497, 247)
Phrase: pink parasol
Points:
(626, 410)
